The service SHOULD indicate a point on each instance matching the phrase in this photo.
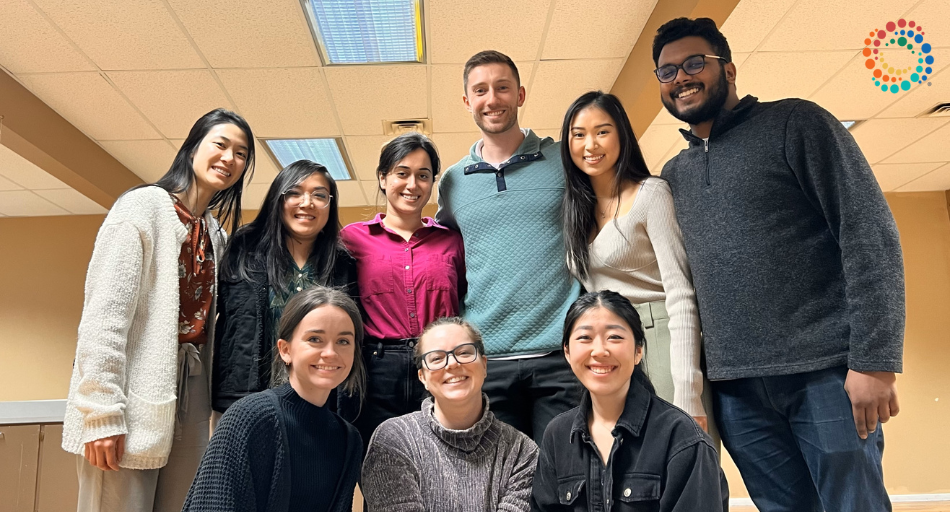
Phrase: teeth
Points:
(601, 370)
(453, 380)
(324, 367)
(410, 198)
(308, 217)
(222, 171)
(688, 92)
(494, 113)
(593, 159)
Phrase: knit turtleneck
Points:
(466, 440)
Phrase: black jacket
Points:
(243, 334)
(661, 460)
(246, 467)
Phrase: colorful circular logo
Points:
(887, 53)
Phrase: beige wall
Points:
(43, 262)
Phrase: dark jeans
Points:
(392, 388)
(794, 441)
(528, 393)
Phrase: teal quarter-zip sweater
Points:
(794, 252)
(519, 288)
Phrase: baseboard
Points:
(895, 498)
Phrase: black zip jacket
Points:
(661, 460)
(243, 334)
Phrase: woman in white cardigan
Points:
(621, 234)
(139, 411)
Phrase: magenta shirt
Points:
(405, 285)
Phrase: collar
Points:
(465, 440)
(632, 418)
(528, 151)
(725, 120)
(427, 222)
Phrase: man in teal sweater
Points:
(505, 199)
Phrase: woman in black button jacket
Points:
(623, 448)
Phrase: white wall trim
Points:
(32, 411)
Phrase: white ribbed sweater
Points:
(124, 375)
(640, 255)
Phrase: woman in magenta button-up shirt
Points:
(410, 271)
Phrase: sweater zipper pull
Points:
(706, 154)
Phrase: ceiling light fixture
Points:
(369, 31)
(326, 152)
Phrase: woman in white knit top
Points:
(621, 234)
(138, 412)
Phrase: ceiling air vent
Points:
(939, 110)
(395, 128)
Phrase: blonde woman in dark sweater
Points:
(453, 454)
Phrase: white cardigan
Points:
(125, 372)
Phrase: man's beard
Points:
(486, 128)
(704, 112)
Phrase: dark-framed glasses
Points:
(319, 198)
(693, 65)
(438, 359)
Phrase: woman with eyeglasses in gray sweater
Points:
(453, 454)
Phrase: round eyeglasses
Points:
(319, 198)
(693, 65)
(438, 359)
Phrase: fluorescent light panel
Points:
(848, 124)
(325, 152)
(367, 31)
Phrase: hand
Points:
(703, 422)
(106, 453)
(873, 398)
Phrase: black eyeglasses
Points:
(438, 359)
(693, 65)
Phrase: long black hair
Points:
(620, 306)
(579, 203)
(181, 175)
(261, 245)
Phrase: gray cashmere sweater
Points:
(415, 464)
(794, 252)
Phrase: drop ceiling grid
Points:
(553, 92)
(938, 179)
(460, 29)
(577, 30)
(30, 44)
(894, 176)
(882, 138)
(366, 95)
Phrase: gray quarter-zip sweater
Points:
(794, 252)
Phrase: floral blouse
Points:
(195, 278)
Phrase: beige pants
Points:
(156, 490)
(656, 329)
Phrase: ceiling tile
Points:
(372, 194)
(351, 193)
(90, 103)
(851, 94)
(663, 117)
(148, 159)
(893, 176)
(72, 201)
(678, 146)
(364, 154)
(366, 95)
(253, 196)
(454, 146)
(124, 34)
(259, 34)
(6, 184)
(24, 203)
(172, 100)
(448, 109)
(551, 94)
(31, 45)
(554, 133)
(570, 34)
(821, 25)
(929, 14)
(265, 168)
(770, 76)
(751, 21)
(932, 148)
(656, 143)
(880, 138)
(458, 30)
(935, 180)
(924, 96)
(282, 102)
(24, 173)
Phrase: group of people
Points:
(543, 344)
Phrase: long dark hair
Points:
(579, 203)
(620, 306)
(261, 245)
(298, 307)
(181, 175)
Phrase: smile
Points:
(685, 93)
(593, 159)
(303, 216)
(494, 113)
(456, 379)
(326, 368)
(222, 171)
(601, 370)
(410, 198)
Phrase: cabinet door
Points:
(58, 486)
(19, 453)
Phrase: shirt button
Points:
(299, 288)
(407, 267)
(405, 250)
(626, 493)
(568, 495)
(408, 290)
(412, 315)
